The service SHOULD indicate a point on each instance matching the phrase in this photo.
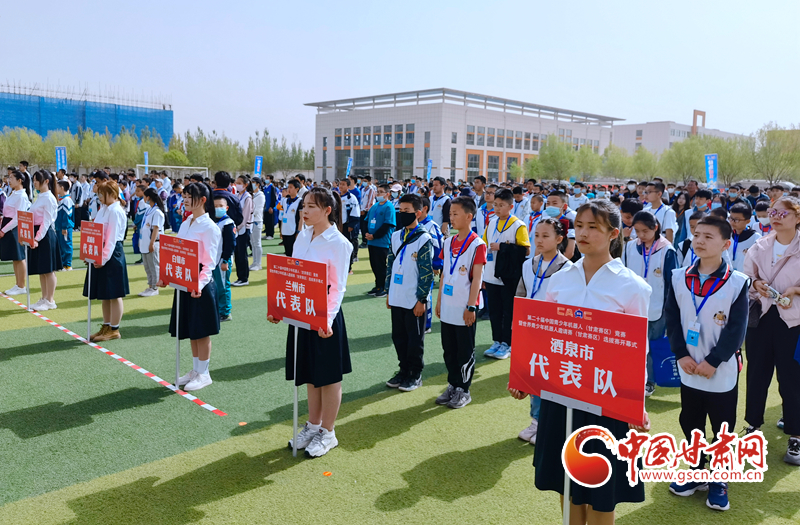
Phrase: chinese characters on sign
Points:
(178, 263)
(25, 227)
(711, 170)
(91, 242)
(591, 356)
(297, 291)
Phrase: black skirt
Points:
(550, 471)
(110, 281)
(199, 317)
(320, 361)
(46, 257)
(10, 248)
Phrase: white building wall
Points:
(657, 136)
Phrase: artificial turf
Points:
(85, 439)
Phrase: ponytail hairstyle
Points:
(153, 195)
(607, 215)
(649, 220)
(198, 190)
(25, 180)
(44, 176)
(247, 186)
(323, 198)
(555, 223)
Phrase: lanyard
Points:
(460, 251)
(646, 256)
(735, 244)
(655, 213)
(541, 279)
(534, 216)
(407, 236)
(498, 232)
(516, 206)
(487, 215)
(694, 257)
(694, 301)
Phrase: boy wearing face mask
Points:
(222, 272)
(630, 192)
(742, 237)
(557, 209)
(395, 193)
(380, 226)
(764, 226)
(578, 197)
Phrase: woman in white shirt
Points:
(199, 314)
(322, 357)
(240, 260)
(259, 200)
(596, 281)
(110, 274)
(149, 232)
(10, 248)
(45, 257)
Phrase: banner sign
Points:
(61, 158)
(711, 170)
(145, 163)
(349, 166)
(179, 265)
(25, 228)
(91, 242)
(592, 356)
(430, 167)
(297, 291)
(257, 167)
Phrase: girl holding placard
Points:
(45, 257)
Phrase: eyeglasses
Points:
(739, 220)
(780, 214)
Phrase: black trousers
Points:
(501, 306)
(697, 405)
(458, 343)
(269, 223)
(363, 225)
(240, 257)
(408, 336)
(771, 347)
(377, 261)
(352, 236)
(288, 243)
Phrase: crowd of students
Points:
(708, 269)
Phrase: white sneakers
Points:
(199, 381)
(304, 437)
(255, 268)
(323, 441)
(529, 434)
(183, 380)
(149, 292)
(43, 304)
(15, 290)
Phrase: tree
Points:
(533, 168)
(23, 144)
(153, 145)
(125, 151)
(557, 159)
(95, 151)
(616, 163)
(644, 164)
(734, 157)
(775, 152)
(516, 172)
(55, 139)
(587, 163)
(684, 161)
(175, 157)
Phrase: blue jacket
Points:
(381, 224)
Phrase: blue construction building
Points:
(43, 111)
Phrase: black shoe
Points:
(485, 317)
(397, 380)
(139, 262)
(362, 245)
(382, 293)
(224, 318)
(373, 291)
(410, 383)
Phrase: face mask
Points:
(239, 188)
(364, 184)
(764, 221)
(677, 192)
(670, 190)
(631, 187)
(220, 212)
(715, 205)
(406, 218)
(394, 194)
(577, 191)
(733, 194)
(382, 199)
(552, 211)
(601, 194)
(785, 193)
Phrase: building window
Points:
(494, 167)
(454, 138)
(481, 135)
(324, 164)
(470, 129)
(409, 127)
(409, 137)
(324, 142)
(575, 143)
(638, 133)
(527, 140)
(453, 163)
(347, 137)
(356, 140)
(338, 142)
(561, 134)
(509, 139)
(480, 140)
(470, 135)
(637, 146)
(356, 131)
(361, 157)
(366, 139)
(473, 165)
(500, 137)
(510, 161)
(490, 141)
(377, 138)
(341, 163)
(387, 139)
(427, 137)
(518, 140)
(596, 146)
(383, 158)
(398, 138)
(427, 155)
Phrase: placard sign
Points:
(179, 264)
(91, 242)
(297, 291)
(592, 356)
(25, 228)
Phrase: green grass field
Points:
(85, 439)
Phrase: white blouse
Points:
(332, 249)
(44, 210)
(209, 243)
(17, 201)
(114, 222)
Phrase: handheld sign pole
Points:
(297, 294)
(180, 269)
(566, 508)
(25, 237)
(27, 276)
(91, 252)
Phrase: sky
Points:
(237, 67)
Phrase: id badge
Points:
(448, 290)
(373, 222)
(693, 335)
(398, 278)
(490, 256)
(285, 220)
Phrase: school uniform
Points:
(258, 225)
(440, 209)
(222, 280)
(576, 201)
(613, 288)
(65, 222)
(140, 208)
(351, 219)
(270, 201)
(153, 218)
(665, 216)
(533, 221)
(290, 222)
(687, 257)
(408, 281)
(10, 248)
(323, 361)
(437, 241)
(707, 321)
(458, 339)
(740, 243)
(45, 258)
(522, 209)
(110, 281)
(481, 220)
(764, 230)
(380, 224)
(198, 316)
(243, 238)
(501, 297)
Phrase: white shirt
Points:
(44, 209)
(17, 201)
(153, 218)
(576, 201)
(114, 221)
(522, 209)
(209, 243)
(332, 249)
(778, 249)
(259, 201)
(665, 216)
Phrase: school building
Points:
(465, 134)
